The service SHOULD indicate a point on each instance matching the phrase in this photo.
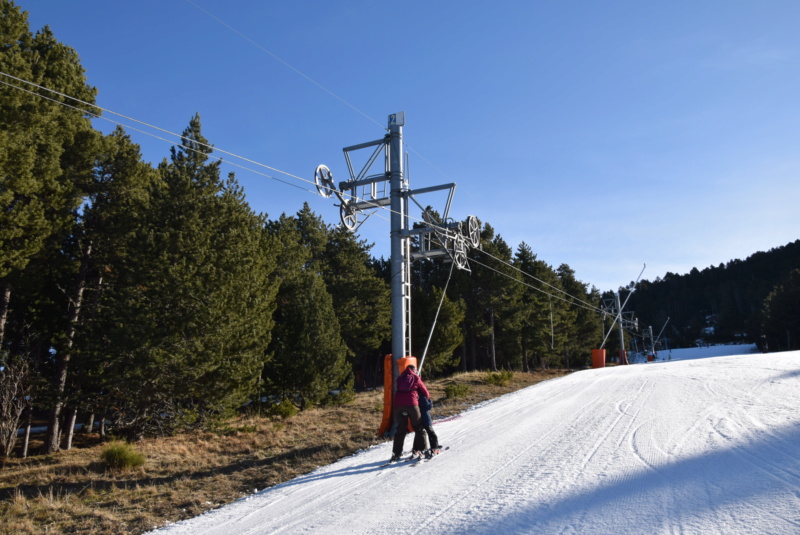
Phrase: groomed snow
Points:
(687, 445)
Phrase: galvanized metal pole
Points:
(622, 359)
(401, 276)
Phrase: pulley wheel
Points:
(323, 178)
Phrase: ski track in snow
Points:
(693, 445)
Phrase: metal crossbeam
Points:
(436, 240)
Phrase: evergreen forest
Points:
(756, 300)
(153, 299)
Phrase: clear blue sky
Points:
(603, 134)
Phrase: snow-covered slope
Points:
(709, 445)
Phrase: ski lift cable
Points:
(155, 136)
(308, 78)
(537, 279)
(575, 301)
(285, 63)
(579, 304)
(143, 123)
(94, 114)
(583, 303)
(436, 317)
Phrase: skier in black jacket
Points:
(426, 423)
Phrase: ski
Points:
(402, 460)
(424, 459)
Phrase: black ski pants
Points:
(433, 440)
(402, 415)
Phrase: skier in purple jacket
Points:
(405, 407)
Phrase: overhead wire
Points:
(254, 43)
(573, 300)
(96, 115)
(88, 110)
(580, 304)
(300, 73)
(126, 117)
(285, 63)
(211, 147)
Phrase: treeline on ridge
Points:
(756, 300)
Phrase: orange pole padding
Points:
(388, 383)
(598, 358)
(403, 363)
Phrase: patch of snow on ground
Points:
(687, 445)
(706, 351)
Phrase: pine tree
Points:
(307, 356)
(45, 147)
(360, 297)
(781, 323)
(583, 331)
(728, 297)
(533, 300)
(187, 311)
(543, 326)
(501, 294)
(447, 334)
(472, 287)
(118, 187)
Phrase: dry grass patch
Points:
(183, 476)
